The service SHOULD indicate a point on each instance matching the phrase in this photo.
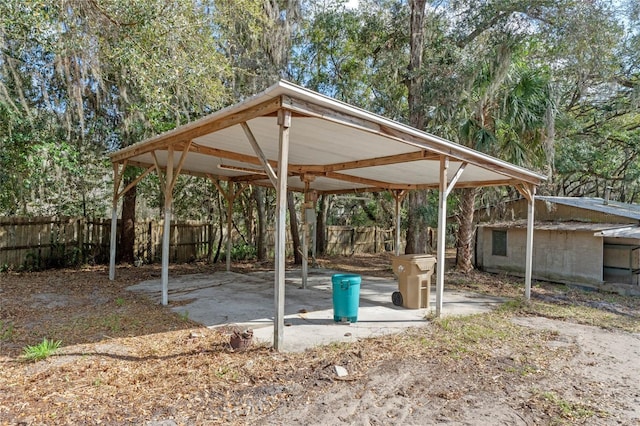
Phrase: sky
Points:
(352, 4)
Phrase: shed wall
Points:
(558, 255)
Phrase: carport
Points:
(295, 139)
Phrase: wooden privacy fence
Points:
(347, 240)
(49, 242)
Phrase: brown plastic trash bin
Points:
(414, 280)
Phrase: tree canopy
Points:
(552, 85)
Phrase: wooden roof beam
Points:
(197, 129)
(431, 143)
(365, 181)
(369, 162)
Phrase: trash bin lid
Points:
(424, 262)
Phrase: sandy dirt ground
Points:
(126, 360)
(602, 366)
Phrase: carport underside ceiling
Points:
(322, 145)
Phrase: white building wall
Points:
(558, 255)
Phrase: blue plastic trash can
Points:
(346, 297)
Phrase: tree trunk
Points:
(465, 229)
(295, 234)
(414, 79)
(249, 219)
(417, 236)
(128, 228)
(416, 225)
(321, 221)
(261, 246)
(220, 228)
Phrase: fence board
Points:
(42, 242)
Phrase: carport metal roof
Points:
(340, 147)
(321, 145)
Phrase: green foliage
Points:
(78, 78)
(112, 322)
(7, 330)
(243, 251)
(567, 410)
(551, 85)
(40, 351)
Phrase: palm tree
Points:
(508, 117)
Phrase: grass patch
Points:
(574, 312)
(557, 301)
(475, 339)
(7, 330)
(41, 351)
(564, 411)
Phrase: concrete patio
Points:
(247, 301)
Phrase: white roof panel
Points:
(333, 145)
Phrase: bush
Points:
(243, 252)
(41, 351)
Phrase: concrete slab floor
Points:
(247, 301)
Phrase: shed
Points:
(578, 240)
(292, 138)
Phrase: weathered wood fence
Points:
(49, 242)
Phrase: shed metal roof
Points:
(632, 232)
(334, 147)
(631, 211)
(558, 226)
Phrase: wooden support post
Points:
(166, 230)
(114, 221)
(398, 195)
(314, 237)
(284, 121)
(529, 254)
(305, 230)
(529, 192)
(442, 226)
(230, 196)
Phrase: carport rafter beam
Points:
(198, 129)
(158, 170)
(370, 162)
(454, 179)
(183, 157)
(117, 177)
(365, 181)
(136, 181)
(376, 186)
(453, 152)
(227, 155)
(263, 159)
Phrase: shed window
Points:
(499, 242)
